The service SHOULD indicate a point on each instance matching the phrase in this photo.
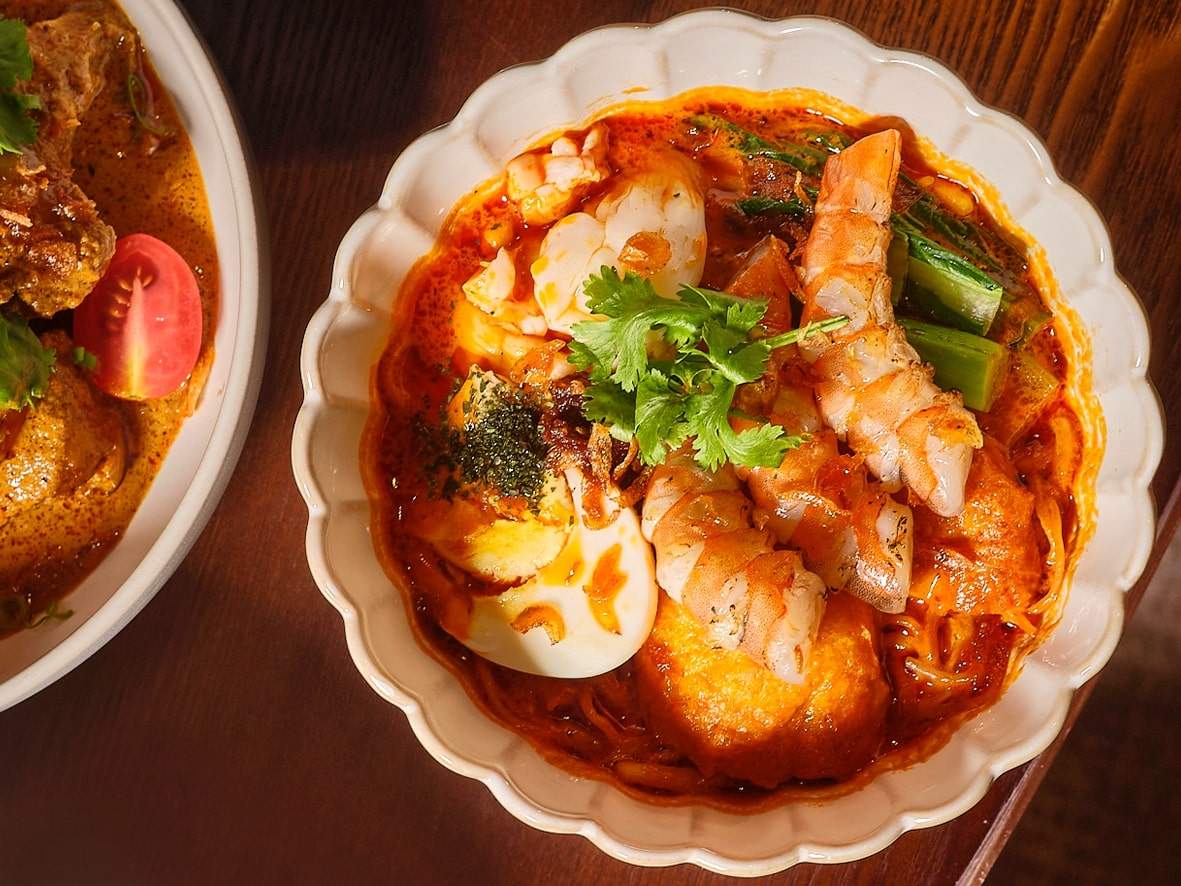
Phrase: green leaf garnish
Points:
(25, 364)
(758, 205)
(139, 94)
(17, 128)
(803, 157)
(85, 359)
(52, 612)
(662, 401)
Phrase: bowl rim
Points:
(515, 799)
(236, 409)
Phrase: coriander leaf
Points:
(17, 128)
(640, 388)
(633, 308)
(738, 359)
(582, 357)
(25, 365)
(608, 403)
(660, 418)
(15, 61)
(689, 371)
(762, 446)
(737, 311)
(709, 416)
(716, 441)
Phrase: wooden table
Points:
(225, 735)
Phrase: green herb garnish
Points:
(758, 205)
(17, 127)
(803, 157)
(52, 612)
(85, 359)
(680, 386)
(25, 364)
(139, 94)
(499, 444)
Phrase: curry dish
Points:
(108, 293)
(731, 448)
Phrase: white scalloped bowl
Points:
(506, 114)
(198, 466)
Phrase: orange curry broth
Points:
(591, 726)
(140, 184)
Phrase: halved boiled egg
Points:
(584, 613)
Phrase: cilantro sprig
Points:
(665, 370)
(25, 364)
(17, 128)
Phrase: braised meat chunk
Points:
(54, 247)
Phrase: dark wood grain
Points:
(225, 735)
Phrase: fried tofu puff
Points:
(733, 717)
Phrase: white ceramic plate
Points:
(198, 466)
(506, 114)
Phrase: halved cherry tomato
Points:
(142, 321)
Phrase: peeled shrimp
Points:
(849, 531)
(873, 390)
(651, 222)
(545, 185)
(728, 574)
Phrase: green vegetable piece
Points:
(948, 287)
(85, 359)
(832, 140)
(139, 95)
(753, 206)
(970, 364)
(632, 307)
(25, 364)
(926, 214)
(53, 612)
(803, 157)
(897, 261)
(17, 128)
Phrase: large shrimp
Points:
(727, 573)
(849, 531)
(873, 389)
(546, 184)
(651, 222)
(855, 536)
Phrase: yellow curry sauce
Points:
(599, 727)
(139, 183)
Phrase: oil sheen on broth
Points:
(986, 585)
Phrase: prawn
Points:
(849, 531)
(726, 572)
(651, 221)
(546, 184)
(873, 389)
(855, 536)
